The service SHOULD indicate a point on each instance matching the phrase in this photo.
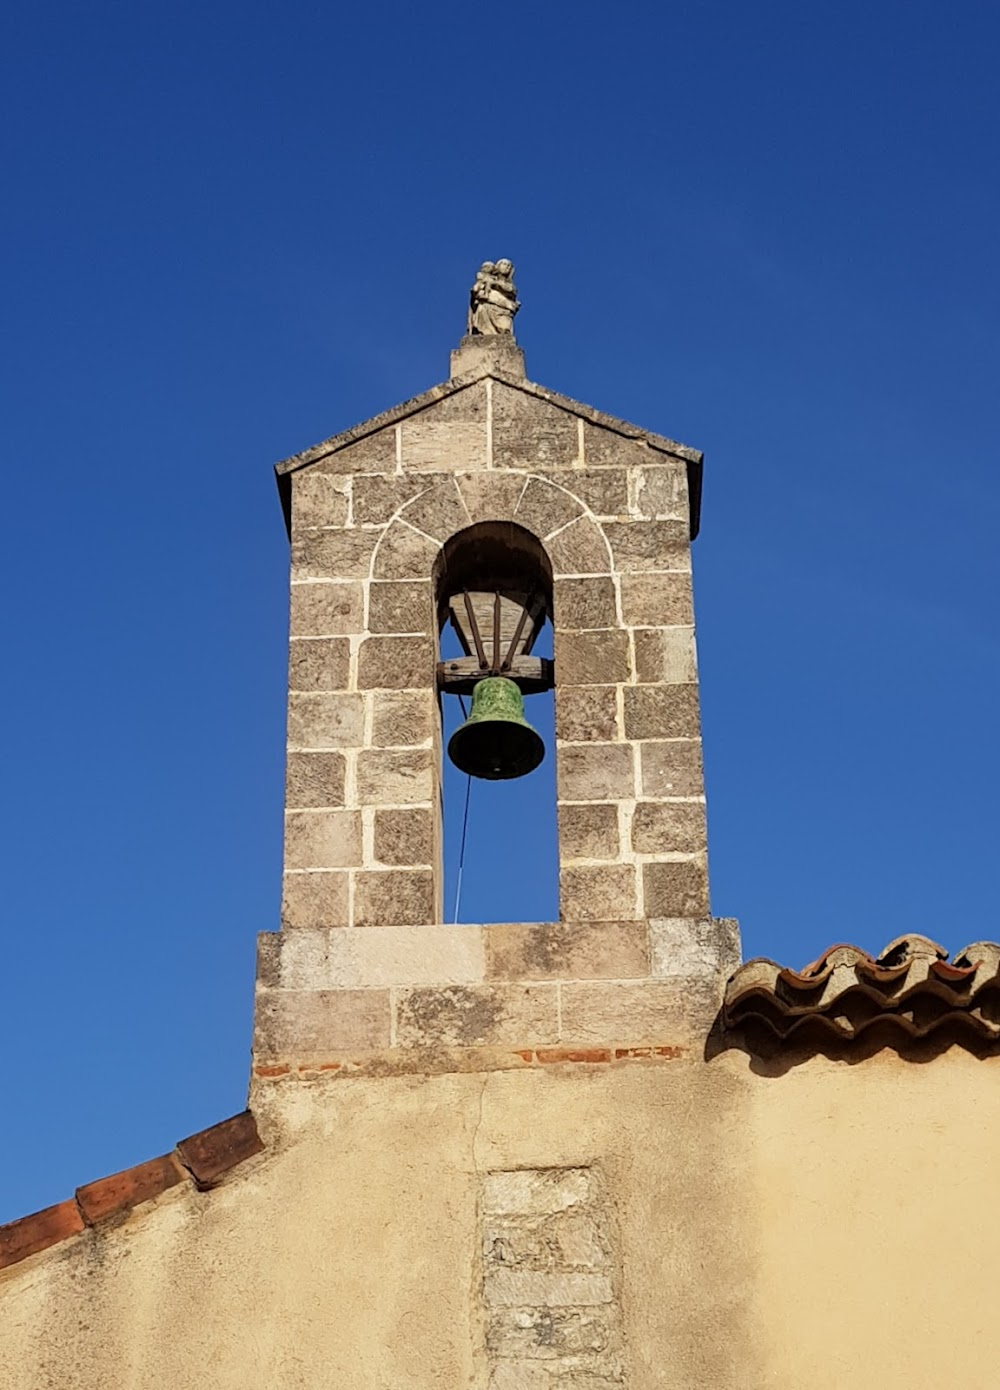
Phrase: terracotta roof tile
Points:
(911, 984)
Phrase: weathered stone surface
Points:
(376, 453)
(321, 1023)
(570, 1239)
(319, 663)
(375, 498)
(516, 1288)
(603, 490)
(396, 663)
(492, 495)
(635, 1013)
(520, 1375)
(683, 947)
(545, 507)
(325, 721)
(394, 897)
(380, 957)
(401, 606)
(547, 1334)
(333, 554)
(657, 600)
(450, 434)
(601, 893)
(662, 492)
(395, 776)
(325, 610)
(585, 713)
(322, 839)
(314, 779)
(665, 654)
(477, 1015)
(580, 548)
(404, 553)
(649, 545)
(438, 512)
(584, 603)
(671, 768)
(567, 950)
(590, 831)
(536, 1191)
(676, 888)
(596, 772)
(404, 836)
(402, 717)
(531, 433)
(661, 711)
(593, 658)
(318, 499)
(603, 447)
(314, 900)
(660, 827)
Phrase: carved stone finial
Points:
(493, 300)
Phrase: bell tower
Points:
(489, 503)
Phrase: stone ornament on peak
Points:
(493, 300)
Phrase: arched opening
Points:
(493, 588)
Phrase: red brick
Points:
(281, 1069)
(36, 1232)
(122, 1191)
(214, 1151)
(573, 1054)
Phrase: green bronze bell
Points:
(496, 741)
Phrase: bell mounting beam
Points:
(497, 630)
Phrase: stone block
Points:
(318, 499)
(376, 498)
(598, 893)
(430, 445)
(439, 512)
(319, 663)
(649, 545)
(580, 548)
(567, 950)
(376, 453)
(326, 610)
(586, 713)
(546, 507)
(383, 957)
(549, 1334)
(661, 711)
(491, 496)
(404, 553)
(322, 839)
(314, 780)
(517, 1288)
(663, 827)
(568, 1240)
(314, 900)
(396, 663)
(579, 604)
(651, 1013)
(661, 492)
(395, 776)
(405, 837)
(657, 600)
(320, 1023)
(531, 433)
(589, 831)
(684, 947)
(676, 888)
(672, 768)
(317, 720)
(394, 897)
(522, 1375)
(596, 772)
(604, 448)
(403, 717)
(491, 1015)
(401, 605)
(536, 1191)
(333, 554)
(603, 490)
(593, 658)
(666, 655)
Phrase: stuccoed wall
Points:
(830, 1225)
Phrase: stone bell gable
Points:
(373, 515)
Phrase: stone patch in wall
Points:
(549, 1281)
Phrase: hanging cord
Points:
(465, 828)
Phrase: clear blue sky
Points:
(767, 230)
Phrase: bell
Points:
(496, 741)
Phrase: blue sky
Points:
(768, 231)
